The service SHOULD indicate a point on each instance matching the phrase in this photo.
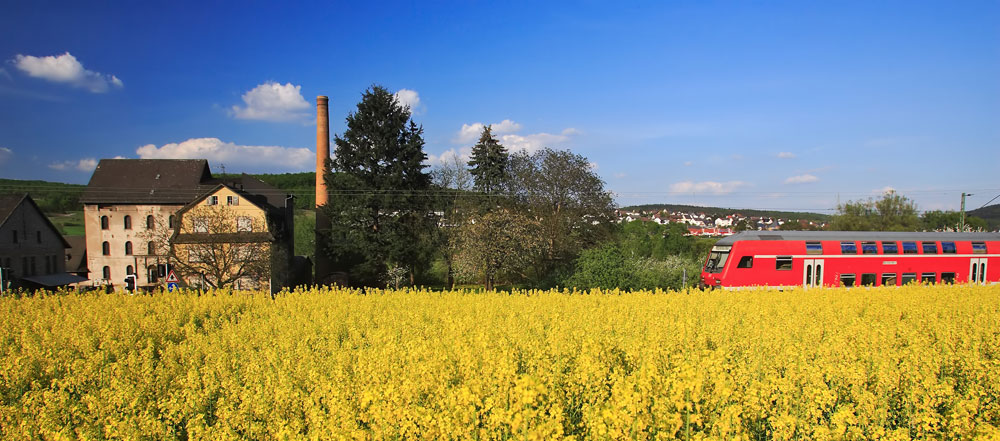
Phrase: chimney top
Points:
(322, 98)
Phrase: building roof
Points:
(10, 202)
(857, 235)
(148, 181)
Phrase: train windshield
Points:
(717, 259)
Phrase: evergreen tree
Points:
(379, 207)
(489, 164)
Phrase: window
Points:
(34, 270)
(869, 248)
(106, 272)
(106, 248)
(128, 248)
(928, 277)
(889, 248)
(244, 223)
(978, 247)
(948, 278)
(908, 278)
(814, 248)
(199, 225)
(889, 279)
(48, 265)
(717, 259)
(15, 236)
(129, 270)
(127, 222)
(868, 279)
(232, 200)
(929, 247)
(104, 222)
(151, 248)
(847, 279)
(745, 262)
(170, 221)
(948, 247)
(38, 236)
(783, 263)
(848, 248)
(909, 248)
(212, 200)
(150, 222)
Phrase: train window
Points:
(745, 262)
(717, 259)
(814, 248)
(889, 248)
(928, 277)
(889, 279)
(908, 278)
(948, 278)
(868, 279)
(948, 247)
(929, 247)
(978, 247)
(869, 248)
(848, 248)
(909, 248)
(847, 279)
(783, 263)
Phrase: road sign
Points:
(171, 286)
(172, 278)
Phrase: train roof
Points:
(856, 235)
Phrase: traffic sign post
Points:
(172, 281)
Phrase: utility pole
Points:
(961, 223)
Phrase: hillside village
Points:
(702, 224)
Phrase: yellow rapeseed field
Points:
(917, 362)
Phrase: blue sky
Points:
(739, 104)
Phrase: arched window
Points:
(150, 222)
(129, 271)
(151, 248)
(128, 248)
(128, 222)
(106, 248)
(104, 222)
(38, 236)
(106, 272)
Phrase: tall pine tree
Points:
(379, 207)
(489, 164)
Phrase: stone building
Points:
(31, 248)
(127, 205)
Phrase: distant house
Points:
(240, 234)
(31, 248)
(76, 256)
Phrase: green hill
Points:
(991, 214)
(51, 197)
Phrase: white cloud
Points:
(688, 163)
(706, 187)
(273, 101)
(621, 175)
(801, 179)
(5, 154)
(464, 155)
(253, 157)
(66, 69)
(84, 165)
(885, 190)
(409, 98)
(507, 131)
(786, 155)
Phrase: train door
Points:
(812, 273)
(977, 271)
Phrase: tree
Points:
(455, 180)
(381, 212)
(216, 247)
(938, 220)
(495, 245)
(561, 191)
(892, 212)
(489, 164)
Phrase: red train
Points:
(851, 258)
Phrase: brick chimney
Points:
(321, 261)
